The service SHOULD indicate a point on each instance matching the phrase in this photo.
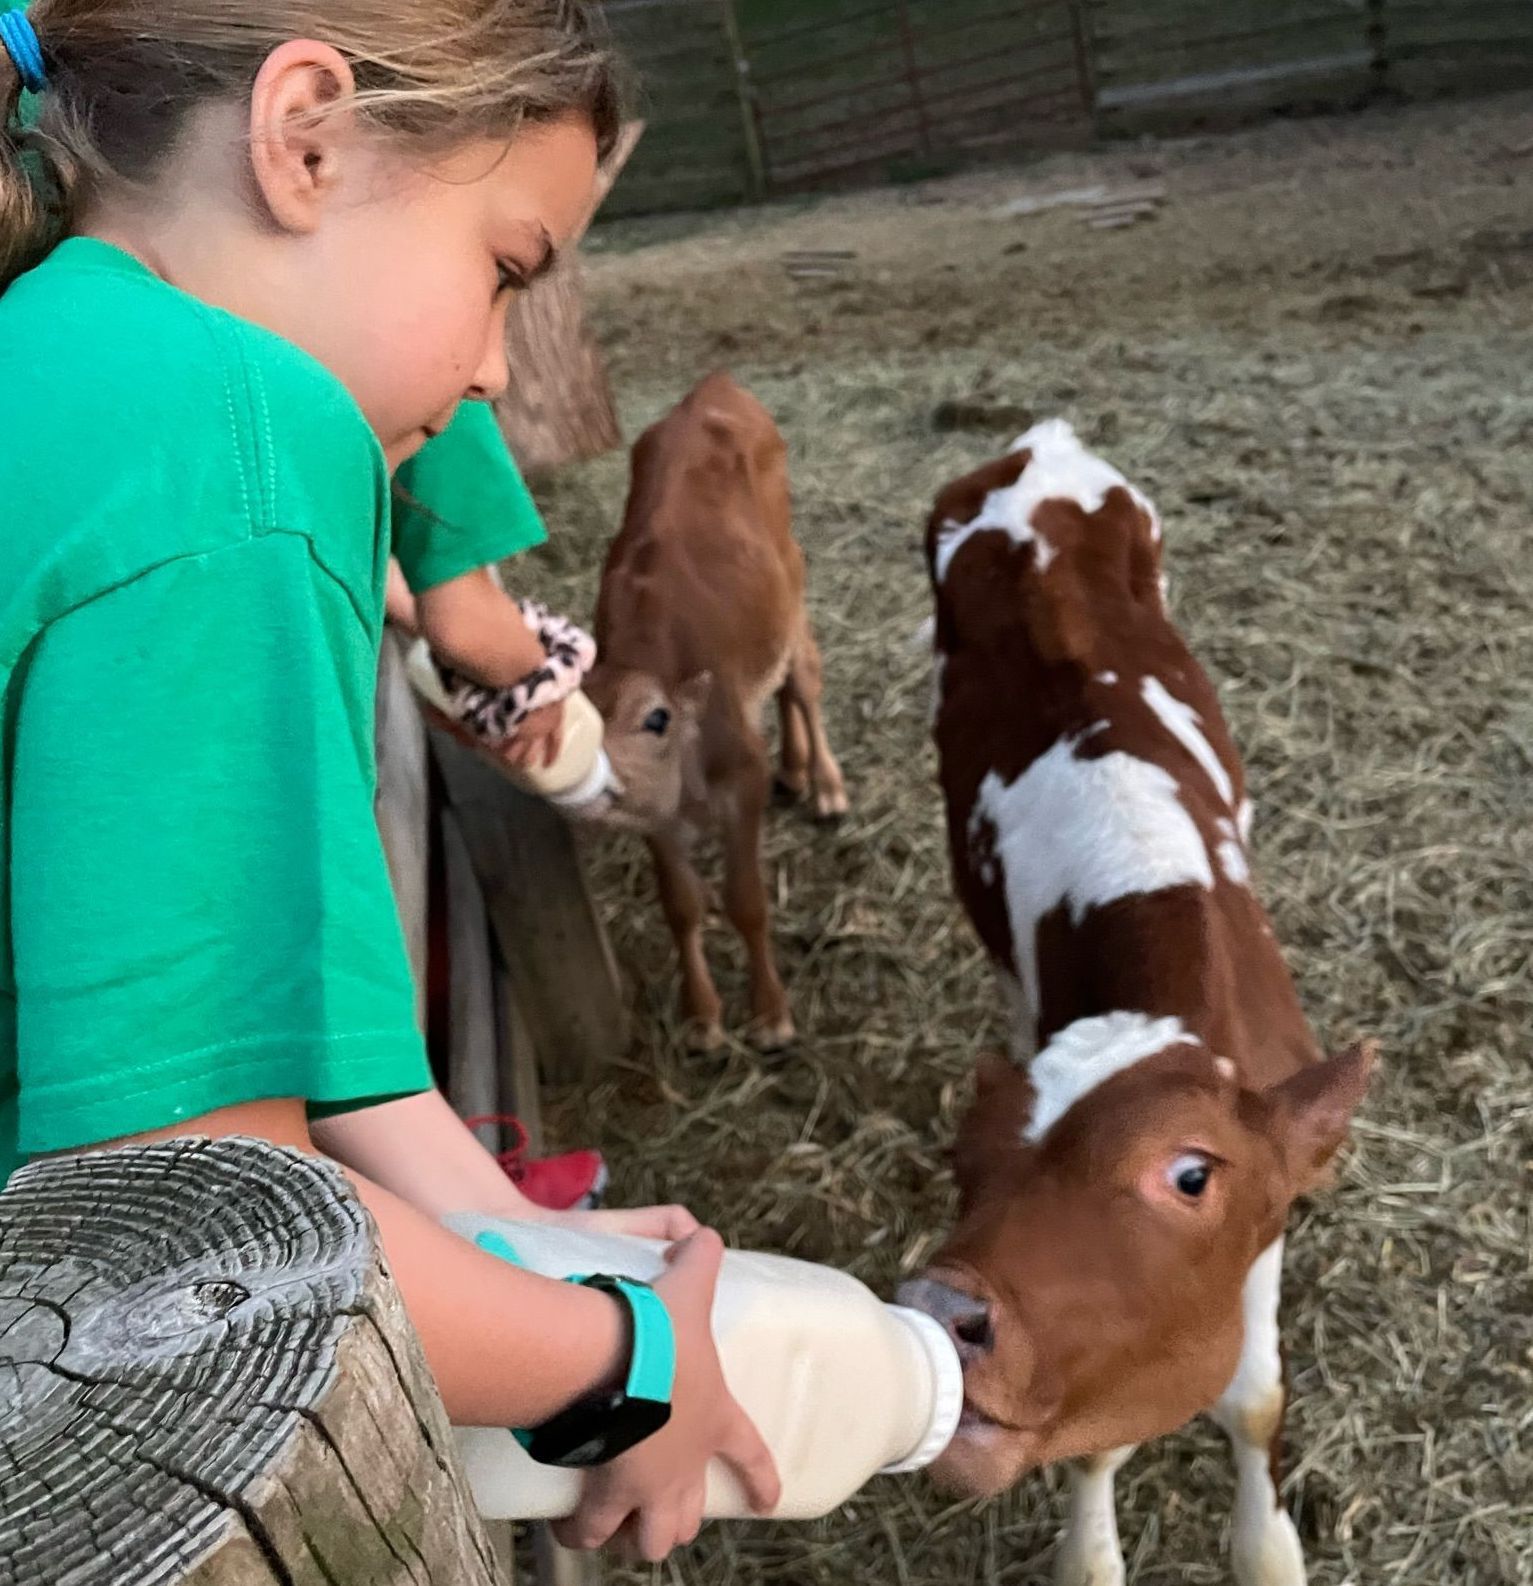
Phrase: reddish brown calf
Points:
(700, 622)
(1125, 1176)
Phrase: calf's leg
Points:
(1089, 1551)
(741, 808)
(685, 904)
(1264, 1547)
(803, 688)
(793, 767)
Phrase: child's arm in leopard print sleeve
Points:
(477, 629)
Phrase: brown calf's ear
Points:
(1315, 1107)
(692, 696)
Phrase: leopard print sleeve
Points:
(495, 714)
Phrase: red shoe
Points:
(571, 1181)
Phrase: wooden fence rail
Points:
(749, 98)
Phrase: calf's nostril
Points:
(975, 1330)
(966, 1317)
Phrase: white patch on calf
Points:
(1243, 818)
(1232, 854)
(1084, 1054)
(1109, 678)
(1084, 833)
(1060, 469)
(1186, 726)
(992, 515)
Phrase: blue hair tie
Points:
(19, 38)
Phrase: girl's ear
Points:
(298, 138)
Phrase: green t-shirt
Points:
(460, 503)
(194, 905)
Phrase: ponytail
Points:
(33, 187)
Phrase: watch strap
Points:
(652, 1359)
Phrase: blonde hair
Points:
(122, 74)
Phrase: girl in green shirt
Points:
(253, 256)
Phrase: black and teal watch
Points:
(603, 1425)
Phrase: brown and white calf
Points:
(1126, 1173)
(700, 622)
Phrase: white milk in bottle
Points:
(841, 1386)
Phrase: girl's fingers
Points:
(690, 1515)
(746, 1451)
(593, 1524)
(654, 1532)
(698, 1255)
(652, 1222)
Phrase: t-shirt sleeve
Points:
(200, 906)
(461, 503)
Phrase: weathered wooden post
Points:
(207, 1378)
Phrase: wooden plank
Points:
(545, 924)
(474, 1036)
(402, 802)
(1244, 80)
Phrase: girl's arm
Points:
(418, 1149)
(474, 625)
(398, 603)
(507, 1348)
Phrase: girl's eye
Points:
(508, 278)
(1189, 1175)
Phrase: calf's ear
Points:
(1314, 1108)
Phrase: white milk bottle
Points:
(580, 774)
(841, 1386)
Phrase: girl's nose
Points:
(494, 371)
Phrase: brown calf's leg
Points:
(793, 767)
(745, 901)
(684, 902)
(804, 686)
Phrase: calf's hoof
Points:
(705, 1037)
(772, 1035)
(831, 804)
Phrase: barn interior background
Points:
(748, 98)
(1309, 346)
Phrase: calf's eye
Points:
(1189, 1176)
(657, 721)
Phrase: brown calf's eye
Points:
(657, 721)
(1190, 1176)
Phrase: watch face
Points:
(596, 1430)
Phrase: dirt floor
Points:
(1319, 360)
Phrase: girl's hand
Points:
(670, 1223)
(538, 739)
(651, 1499)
